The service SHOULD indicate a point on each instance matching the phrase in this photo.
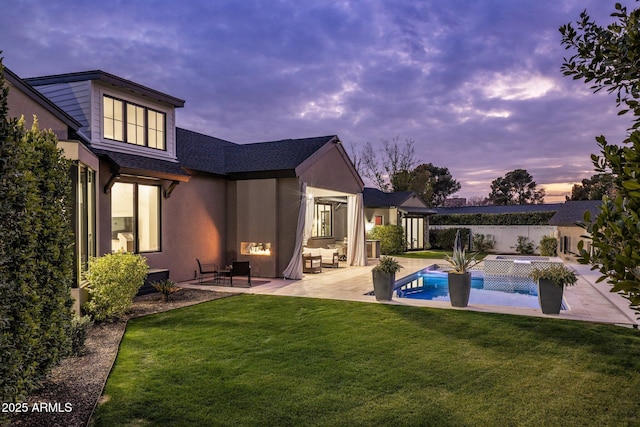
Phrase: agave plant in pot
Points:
(551, 282)
(384, 278)
(459, 278)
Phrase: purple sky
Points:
(476, 84)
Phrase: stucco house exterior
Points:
(402, 208)
(174, 195)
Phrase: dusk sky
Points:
(476, 84)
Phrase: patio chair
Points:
(240, 268)
(207, 269)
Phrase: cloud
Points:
(477, 84)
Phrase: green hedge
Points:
(36, 259)
(522, 218)
(445, 238)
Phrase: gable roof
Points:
(237, 161)
(40, 99)
(374, 198)
(572, 212)
(278, 158)
(109, 79)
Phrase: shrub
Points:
(548, 246)
(482, 243)
(36, 261)
(392, 239)
(78, 331)
(166, 288)
(114, 281)
(524, 246)
(445, 238)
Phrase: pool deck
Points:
(587, 301)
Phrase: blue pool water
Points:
(491, 290)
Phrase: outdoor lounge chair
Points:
(207, 269)
(240, 268)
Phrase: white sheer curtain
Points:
(356, 250)
(303, 232)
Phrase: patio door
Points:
(413, 232)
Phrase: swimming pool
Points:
(507, 291)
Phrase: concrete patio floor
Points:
(587, 301)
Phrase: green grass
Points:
(263, 360)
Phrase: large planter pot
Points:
(549, 296)
(459, 289)
(383, 284)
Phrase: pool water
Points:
(491, 290)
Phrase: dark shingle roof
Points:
(129, 163)
(207, 154)
(572, 212)
(283, 155)
(201, 152)
(498, 209)
(374, 198)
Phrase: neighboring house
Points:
(174, 195)
(403, 208)
(568, 219)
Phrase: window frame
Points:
(126, 124)
(317, 220)
(136, 216)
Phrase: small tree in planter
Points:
(551, 283)
(459, 279)
(384, 278)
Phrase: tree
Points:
(594, 188)
(433, 184)
(607, 58)
(35, 254)
(515, 188)
(390, 171)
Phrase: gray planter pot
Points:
(383, 284)
(459, 289)
(549, 296)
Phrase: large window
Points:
(134, 124)
(135, 217)
(322, 220)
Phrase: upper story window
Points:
(134, 124)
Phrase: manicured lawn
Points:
(278, 361)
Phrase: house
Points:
(568, 219)
(403, 208)
(174, 195)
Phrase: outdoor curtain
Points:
(303, 232)
(356, 250)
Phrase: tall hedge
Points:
(517, 218)
(35, 254)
